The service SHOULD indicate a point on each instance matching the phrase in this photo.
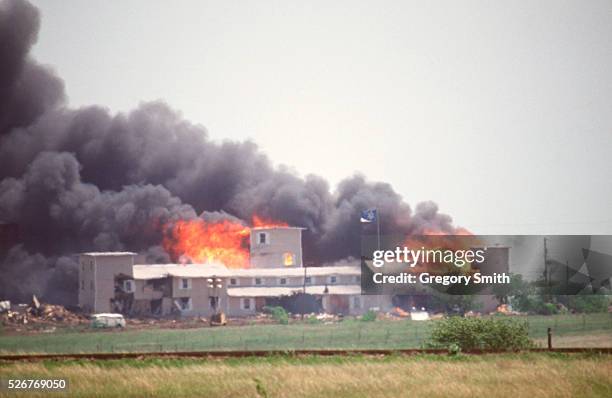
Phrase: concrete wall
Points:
(355, 304)
(86, 283)
(278, 242)
(145, 291)
(106, 268)
(274, 281)
(235, 307)
(340, 280)
(97, 276)
(200, 294)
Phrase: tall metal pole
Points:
(545, 262)
(304, 295)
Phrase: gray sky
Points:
(501, 112)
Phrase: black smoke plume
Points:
(74, 180)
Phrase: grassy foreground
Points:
(508, 375)
(592, 330)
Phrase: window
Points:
(262, 238)
(308, 280)
(185, 303)
(288, 259)
(184, 283)
(332, 280)
(356, 302)
(233, 281)
(128, 286)
(357, 278)
(91, 285)
(282, 281)
(258, 281)
(246, 303)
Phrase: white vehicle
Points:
(107, 321)
(419, 315)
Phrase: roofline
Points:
(279, 227)
(117, 253)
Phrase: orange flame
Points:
(224, 241)
(260, 222)
(438, 239)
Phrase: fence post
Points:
(549, 333)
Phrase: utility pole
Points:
(546, 262)
(566, 273)
(304, 293)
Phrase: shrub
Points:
(313, 320)
(279, 314)
(535, 304)
(480, 333)
(369, 316)
(453, 303)
(549, 309)
(589, 303)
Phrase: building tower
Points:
(276, 247)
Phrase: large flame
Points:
(261, 222)
(459, 239)
(224, 241)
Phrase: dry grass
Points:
(527, 375)
(592, 340)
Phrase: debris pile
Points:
(397, 311)
(506, 310)
(37, 312)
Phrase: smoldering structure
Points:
(77, 180)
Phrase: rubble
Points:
(506, 310)
(38, 312)
(397, 311)
(327, 317)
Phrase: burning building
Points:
(116, 281)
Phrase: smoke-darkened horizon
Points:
(84, 179)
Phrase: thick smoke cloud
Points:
(74, 180)
(27, 89)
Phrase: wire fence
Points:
(591, 329)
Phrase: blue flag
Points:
(368, 216)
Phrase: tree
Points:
(516, 288)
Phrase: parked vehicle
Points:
(107, 321)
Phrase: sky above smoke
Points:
(499, 111)
(86, 179)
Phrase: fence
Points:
(349, 334)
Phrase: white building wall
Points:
(270, 251)
(97, 275)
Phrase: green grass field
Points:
(579, 330)
(509, 375)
